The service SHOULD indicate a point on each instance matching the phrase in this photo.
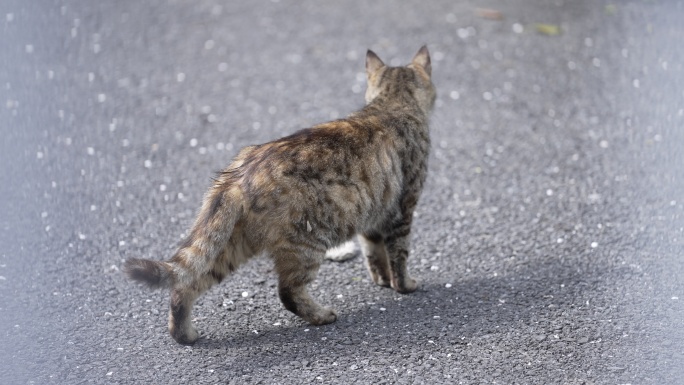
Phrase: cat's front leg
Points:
(377, 262)
(397, 244)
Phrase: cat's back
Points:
(334, 177)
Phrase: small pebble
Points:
(540, 337)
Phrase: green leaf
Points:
(548, 29)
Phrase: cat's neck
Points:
(393, 105)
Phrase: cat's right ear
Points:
(373, 63)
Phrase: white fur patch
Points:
(343, 252)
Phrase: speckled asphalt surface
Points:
(548, 242)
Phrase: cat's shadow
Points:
(466, 310)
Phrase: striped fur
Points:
(296, 197)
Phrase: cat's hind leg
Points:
(187, 288)
(193, 279)
(295, 270)
(180, 316)
(373, 247)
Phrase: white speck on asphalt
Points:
(448, 285)
(101, 98)
(245, 294)
(518, 28)
(594, 245)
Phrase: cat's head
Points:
(413, 80)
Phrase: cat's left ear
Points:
(422, 59)
(373, 63)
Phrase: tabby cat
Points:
(296, 197)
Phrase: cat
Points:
(296, 197)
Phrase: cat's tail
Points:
(154, 274)
(203, 253)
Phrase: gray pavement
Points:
(548, 242)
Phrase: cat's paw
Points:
(408, 285)
(323, 316)
(379, 280)
(185, 337)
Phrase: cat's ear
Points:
(373, 63)
(422, 59)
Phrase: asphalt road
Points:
(548, 243)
